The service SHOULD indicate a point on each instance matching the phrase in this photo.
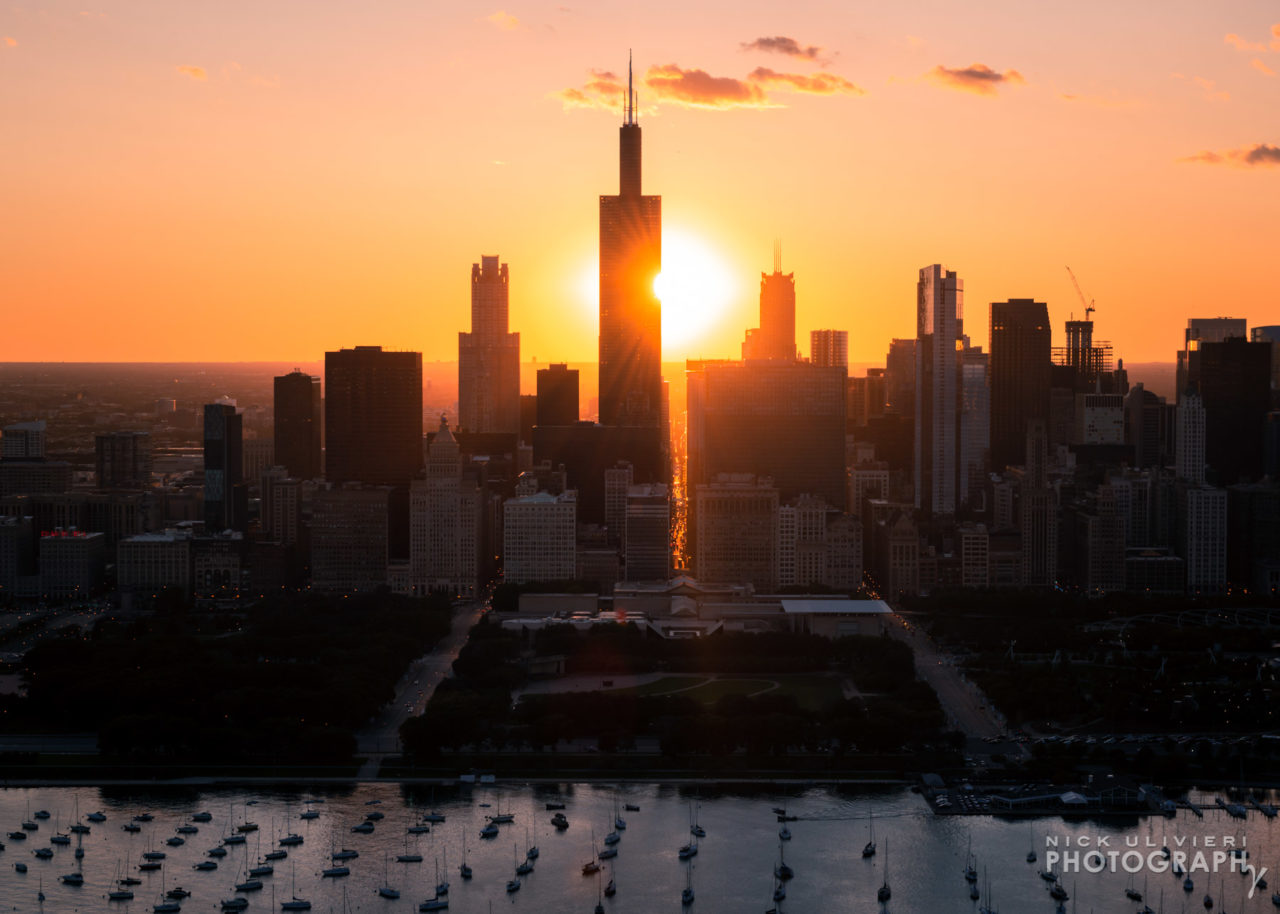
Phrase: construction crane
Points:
(1088, 304)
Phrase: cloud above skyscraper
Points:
(1262, 155)
(780, 44)
(977, 78)
(696, 88)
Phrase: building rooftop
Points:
(836, 607)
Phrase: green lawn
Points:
(813, 691)
(666, 684)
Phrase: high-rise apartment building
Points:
(1205, 330)
(373, 416)
(900, 378)
(829, 348)
(226, 498)
(1233, 379)
(630, 312)
(1021, 354)
(23, 440)
(298, 424)
(1189, 455)
(123, 460)
(973, 437)
(489, 356)
(939, 316)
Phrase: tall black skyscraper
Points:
(298, 424)
(1021, 357)
(226, 498)
(1233, 378)
(630, 313)
(373, 416)
(557, 395)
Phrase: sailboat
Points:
(695, 829)
(970, 871)
(415, 857)
(592, 866)
(523, 867)
(782, 871)
(686, 897)
(1031, 849)
(464, 869)
(989, 907)
(442, 886)
(619, 823)
(599, 897)
(869, 849)
(166, 905)
(884, 893)
(1130, 892)
(531, 850)
(439, 902)
(294, 903)
(386, 891)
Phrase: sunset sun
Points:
(695, 286)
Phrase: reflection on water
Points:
(733, 870)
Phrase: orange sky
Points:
(243, 181)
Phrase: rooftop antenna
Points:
(777, 255)
(631, 95)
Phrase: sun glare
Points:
(696, 288)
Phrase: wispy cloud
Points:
(197, 73)
(1243, 44)
(816, 84)
(1208, 88)
(1100, 101)
(1261, 67)
(11, 42)
(602, 90)
(699, 89)
(977, 78)
(503, 20)
(1262, 155)
(789, 47)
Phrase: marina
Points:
(739, 862)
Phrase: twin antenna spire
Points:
(630, 104)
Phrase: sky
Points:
(253, 181)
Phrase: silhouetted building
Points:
(1021, 355)
(150, 563)
(446, 522)
(648, 533)
(1205, 330)
(557, 395)
(1270, 334)
(1233, 378)
(489, 356)
(122, 460)
(23, 440)
(828, 348)
(226, 497)
(349, 543)
(1202, 537)
(373, 416)
(775, 338)
(900, 378)
(781, 420)
(1148, 427)
(298, 425)
(1038, 512)
(586, 450)
(939, 316)
(973, 437)
(737, 534)
(630, 312)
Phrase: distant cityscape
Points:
(1028, 463)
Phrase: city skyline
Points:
(193, 180)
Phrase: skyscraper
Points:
(1233, 378)
(1189, 450)
(630, 313)
(298, 423)
(373, 416)
(1205, 330)
(557, 395)
(489, 356)
(226, 499)
(445, 522)
(1021, 352)
(123, 460)
(828, 348)
(776, 336)
(900, 378)
(939, 312)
